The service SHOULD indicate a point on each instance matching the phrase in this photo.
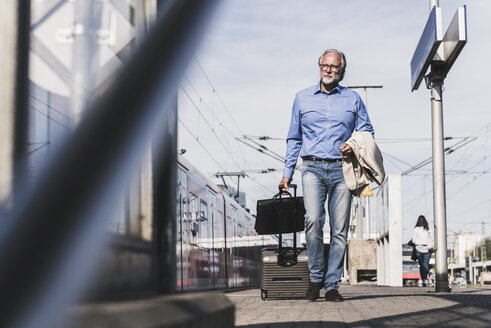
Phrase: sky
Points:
(256, 55)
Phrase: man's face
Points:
(330, 74)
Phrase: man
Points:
(323, 118)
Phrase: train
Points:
(217, 246)
(410, 269)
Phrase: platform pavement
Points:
(368, 306)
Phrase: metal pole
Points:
(473, 266)
(238, 186)
(9, 17)
(439, 206)
(367, 212)
(434, 3)
(359, 219)
(366, 96)
(83, 45)
(484, 256)
(14, 47)
(366, 232)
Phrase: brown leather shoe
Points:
(313, 292)
(332, 295)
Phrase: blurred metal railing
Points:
(50, 239)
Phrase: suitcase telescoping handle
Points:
(281, 259)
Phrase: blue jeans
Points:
(320, 180)
(424, 264)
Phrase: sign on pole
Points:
(455, 38)
(427, 47)
(432, 47)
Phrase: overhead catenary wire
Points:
(410, 140)
(221, 142)
(475, 155)
(392, 158)
(202, 146)
(209, 109)
(266, 149)
(397, 159)
(211, 128)
(51, 108)
(49, 117)
(226, 130)
(447, 151)
(263, 137)
(259, 149)
(43, 144)
(212, 112)
(215, 93)
(475, 206)
(218, 96)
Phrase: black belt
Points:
(323, 160)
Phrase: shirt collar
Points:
(317, 89)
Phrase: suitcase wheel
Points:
(264, 294)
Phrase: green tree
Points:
(485, 256)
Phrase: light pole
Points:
(366, 234)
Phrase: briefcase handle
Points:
(282, 192)
(291, 185)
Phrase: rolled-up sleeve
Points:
(293, 140)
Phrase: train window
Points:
(219, 238)
(230, 234)
(181, 204)
(193, 215)
(204, 228)
(240, 229)
(203, 212)
(133, 205)
(125, 220)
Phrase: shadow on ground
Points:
(454, 316)
(464, 297)
(471, 310)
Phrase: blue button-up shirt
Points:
(321, 122)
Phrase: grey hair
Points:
(343, 60)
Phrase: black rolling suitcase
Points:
(284, 270)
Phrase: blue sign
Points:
(427, 46)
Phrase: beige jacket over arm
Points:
(365, 165)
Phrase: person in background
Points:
(423, 242)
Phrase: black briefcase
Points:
(283, 213)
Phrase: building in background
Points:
(465, 242)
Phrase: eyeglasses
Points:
(334, 68)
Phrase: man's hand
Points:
(345, 151)
(285, 182)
